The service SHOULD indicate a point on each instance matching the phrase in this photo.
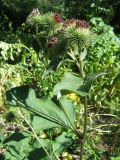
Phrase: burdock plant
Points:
(70, 37)
(73, 36)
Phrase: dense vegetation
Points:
(59, 80)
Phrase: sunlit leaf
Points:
(46, 113)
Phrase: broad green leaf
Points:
(39, 154)
(61, 143)
(72, 83)
(19, 149)
(42, 124)
(67, 106)
(18, 145)
(89, 81)
(69, 83)
(17, 136)
(47, 113)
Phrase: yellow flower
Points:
(66, 156)
(43, 136)
(74, 97)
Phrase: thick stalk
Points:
(81, 68)
(79, 64)
(84, 129)
(85, 111)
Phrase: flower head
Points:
(69, 22)
(57, 18)
(35, 12)
(78, 32)
(82, 24)
(52, 42)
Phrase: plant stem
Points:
(81, 68)
(85, 108)
(35, 134)
(79, 134)
(85, 128)
(79, 64)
